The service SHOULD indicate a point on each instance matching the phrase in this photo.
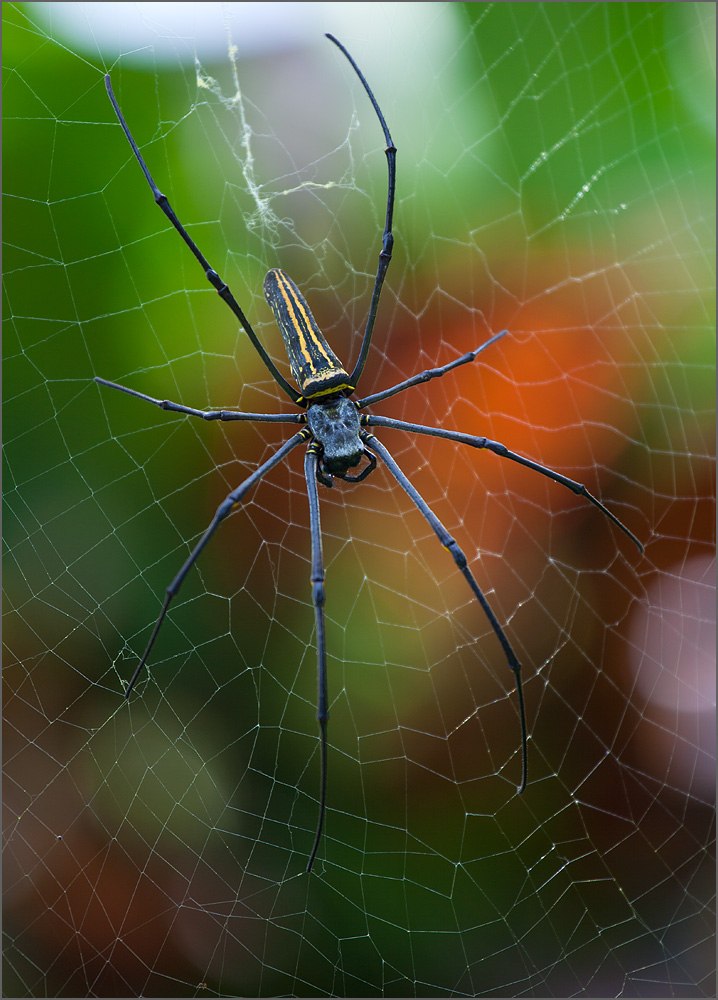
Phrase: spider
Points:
(334, 427)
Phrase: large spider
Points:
(334, 427)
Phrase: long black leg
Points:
(387, 239)
(499, 449)
(460, 559)
(430, 373)
(317, 580)
(214, 279)
(166, 404)
(223, 511)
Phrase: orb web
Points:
(554, 178)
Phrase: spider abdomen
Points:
(315, 366)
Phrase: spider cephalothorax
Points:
(336, 427)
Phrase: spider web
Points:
(555, 178)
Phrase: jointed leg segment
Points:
(460, 559)
(223, 511)
(225, 415)
(311, 464)
(430, 373)
(503, 452)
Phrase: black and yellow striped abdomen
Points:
(315, 366)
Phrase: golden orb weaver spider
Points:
(335, 430)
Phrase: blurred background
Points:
(556, 167)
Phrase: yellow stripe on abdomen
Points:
(314, 364)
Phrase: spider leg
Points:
(224, 510)
(165, 404)
(214, 279)
(387, 239)
(311, 464)
(503, 452)
(430, 373)
(460, 559)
